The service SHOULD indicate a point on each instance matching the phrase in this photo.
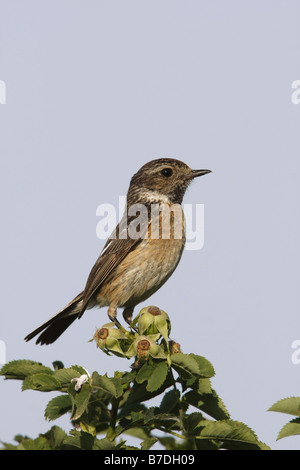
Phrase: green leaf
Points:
(126, 410)
(21, 369)
(81, 440)
(154, 374)
(55, 437)
(289, 406)
(290, 429)
(169, 443)
(185, 365)
(79, 369)
(148, 416)
(58, 406)
(206, 444)
(157, 377)
(42, 382)
(205, 367)
(64, 376)
(209, 403)
(40, 443)
(136, 432)
(81, 401)
(104, 444)
(112, 386)
(193, 420)
(148, 443)
(131, 425)
(139, 393)
(162, 420)
(235, 435)
(144, 373)
(202, 386)
(188, 365)
(170, 401)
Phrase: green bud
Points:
(111, 339)
(152, 320)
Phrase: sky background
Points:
(94, 90)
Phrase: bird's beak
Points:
(196, 173)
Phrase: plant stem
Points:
(113, 418)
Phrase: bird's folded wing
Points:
(115, 250)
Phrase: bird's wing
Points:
(116, 248)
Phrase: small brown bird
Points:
(141, 253)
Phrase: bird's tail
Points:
(56, 325)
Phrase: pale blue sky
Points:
(95, 89)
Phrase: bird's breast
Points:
(148, 266)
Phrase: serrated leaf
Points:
(81, 401)
(205, 444)
(55, 437)
(205, 367)
(64, 376)
(85, 427)
(136, 417)
(157, 377)
(211, 404)
(202, 386)
(148, 415)
(148, 443)
(40, 443)
(191, 365)
(166, 420)
(126, 410)
(236, 435)
(110, 385)
(81, 440)
(184, 364)
(153, 374)
(170, 401)
(289, 406)
(20, 369)
(139, 393)
(41, 382)
(104, 444)
(290, 429)
(168, 442)
(79, 369)
(193, 420)
(58, 406)
(123, 446)
(135, 432)
(144, 373)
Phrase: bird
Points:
(139, 256)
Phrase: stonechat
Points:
(140, 255)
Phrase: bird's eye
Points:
(167, 172)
